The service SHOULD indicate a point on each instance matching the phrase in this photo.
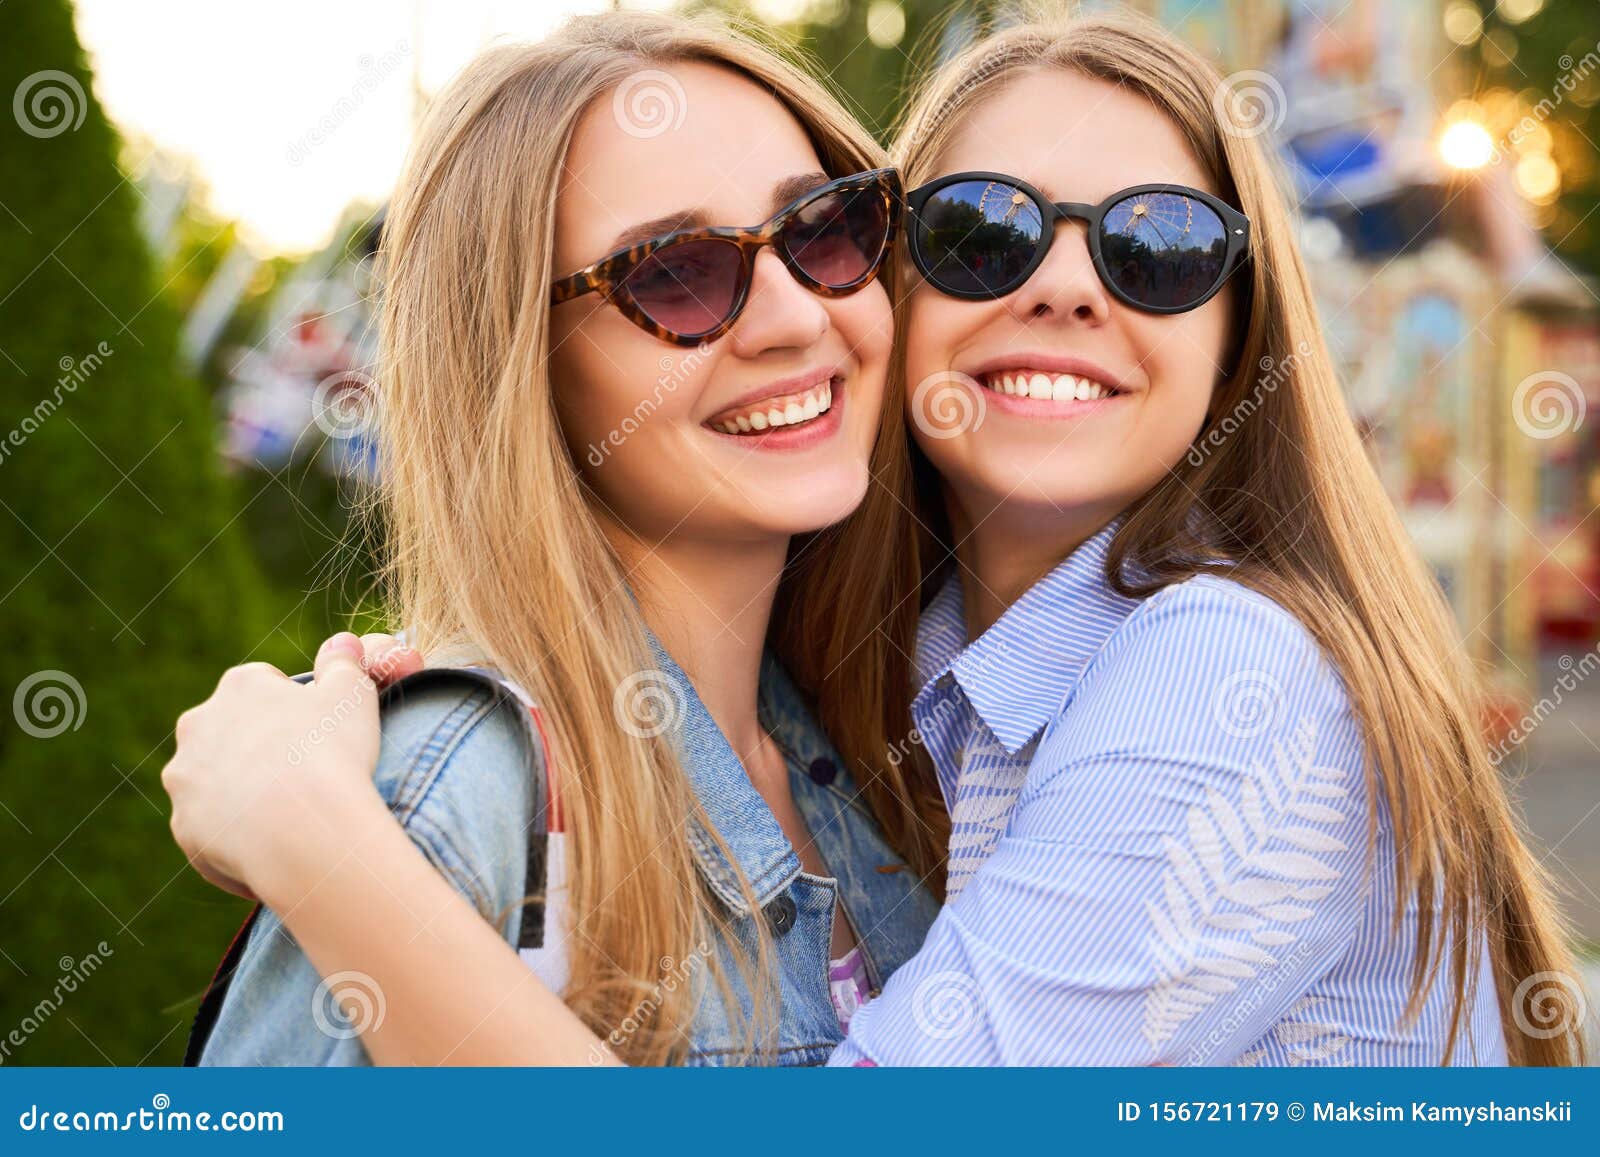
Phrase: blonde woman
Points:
(627, 379)
(1217, 787)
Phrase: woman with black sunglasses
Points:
(1218, 788)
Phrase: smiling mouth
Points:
(785, 411)
(1047, 387)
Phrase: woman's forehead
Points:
(1076, 137)
(689, 137)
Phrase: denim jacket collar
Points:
(749, 831)
(887, 904)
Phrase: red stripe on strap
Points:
(555, 824)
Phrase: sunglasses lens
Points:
(977, 237)
(689, 288)
(1164, 250)
(839, 240)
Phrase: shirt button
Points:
(781, 914)
(823, 770)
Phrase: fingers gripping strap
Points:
(542, 820)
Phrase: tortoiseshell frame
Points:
(607, 275)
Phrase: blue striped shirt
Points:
(1161, 846)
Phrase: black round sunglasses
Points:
(1159, 248)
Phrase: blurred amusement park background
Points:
(190, 200)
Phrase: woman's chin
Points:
(810, 505)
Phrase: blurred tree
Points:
(865, 48)
(1547, 52)
(124, 582)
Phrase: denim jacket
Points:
(454, 768)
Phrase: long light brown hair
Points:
(1287, 502)
(492, 545)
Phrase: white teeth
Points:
(791, 412)
(1058, 387)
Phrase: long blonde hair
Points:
(491, 542)
(1288, 502)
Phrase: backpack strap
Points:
(542, 821)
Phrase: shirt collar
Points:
(1018, 672)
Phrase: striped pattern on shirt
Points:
(1160, 852)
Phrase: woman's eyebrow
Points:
(783, 192)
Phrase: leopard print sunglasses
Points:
(690, 286)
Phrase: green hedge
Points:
(122, 568)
